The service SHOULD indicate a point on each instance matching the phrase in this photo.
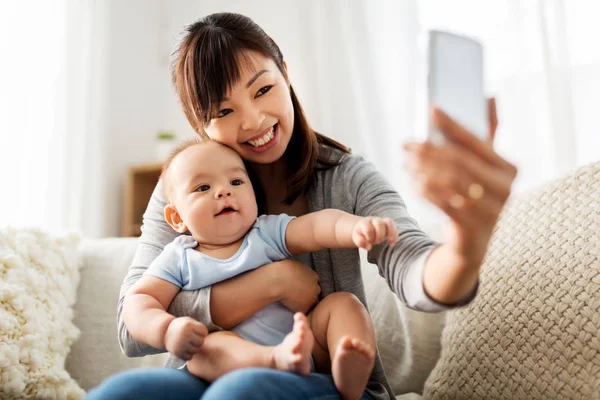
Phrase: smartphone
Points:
(455, 82)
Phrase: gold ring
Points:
(476, 191)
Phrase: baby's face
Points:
(212, 193)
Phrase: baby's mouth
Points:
(226, 211)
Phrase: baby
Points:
(210, 195)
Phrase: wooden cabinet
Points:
(140, 181)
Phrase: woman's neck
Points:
(273, 174)
(273, 180)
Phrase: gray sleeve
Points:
(156, 234)
(402, 266)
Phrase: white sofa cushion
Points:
(97, 355)
(38, 284)
(533, 330)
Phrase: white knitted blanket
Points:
(39, 274)
(533, 332)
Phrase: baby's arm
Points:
(146, 318)
(332, 228)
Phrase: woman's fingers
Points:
(456, 167)
(444, 199)
(462, 209)
(459, 179)
(493, 118)
(432, 163)
(459, 135)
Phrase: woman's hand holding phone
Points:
(466, 179)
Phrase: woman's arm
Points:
(470, 183)
(426, 276)
(367, 192)
(290, 282)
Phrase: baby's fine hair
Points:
(181, 146)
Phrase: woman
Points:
(233, 86)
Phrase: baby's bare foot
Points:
(352, 366)
(293, 354)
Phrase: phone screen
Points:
(456, 81)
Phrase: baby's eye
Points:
(203, 188)
(236, 182)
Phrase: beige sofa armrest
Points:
(97, 355)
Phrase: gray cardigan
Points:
(354, 186)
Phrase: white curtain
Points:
(542, 65)
(365, 71)
(47, 162)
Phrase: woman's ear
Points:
(287, 77)
(174, 219)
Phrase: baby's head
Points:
(208, 192)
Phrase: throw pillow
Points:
(533, 330)
(38, 284)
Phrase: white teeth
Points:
(264, 139)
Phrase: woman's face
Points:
(256, 118)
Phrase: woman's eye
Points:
(236, 182)
(203, 188)
(263, 90)
(224, 112)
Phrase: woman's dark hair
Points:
(206, 65)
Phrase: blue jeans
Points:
(247, 383)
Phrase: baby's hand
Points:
(184, 337)
(373, 230)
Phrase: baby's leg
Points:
(223, 352)
(343, 328)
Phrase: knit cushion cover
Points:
(533, 332)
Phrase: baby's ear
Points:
(174, 219)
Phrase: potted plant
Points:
(165, 143)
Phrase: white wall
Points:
(134, 80)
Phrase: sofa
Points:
(533, 332)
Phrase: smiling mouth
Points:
(266, 138)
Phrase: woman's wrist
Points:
(277, 282)
(449, 276)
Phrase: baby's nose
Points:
(223, 193)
